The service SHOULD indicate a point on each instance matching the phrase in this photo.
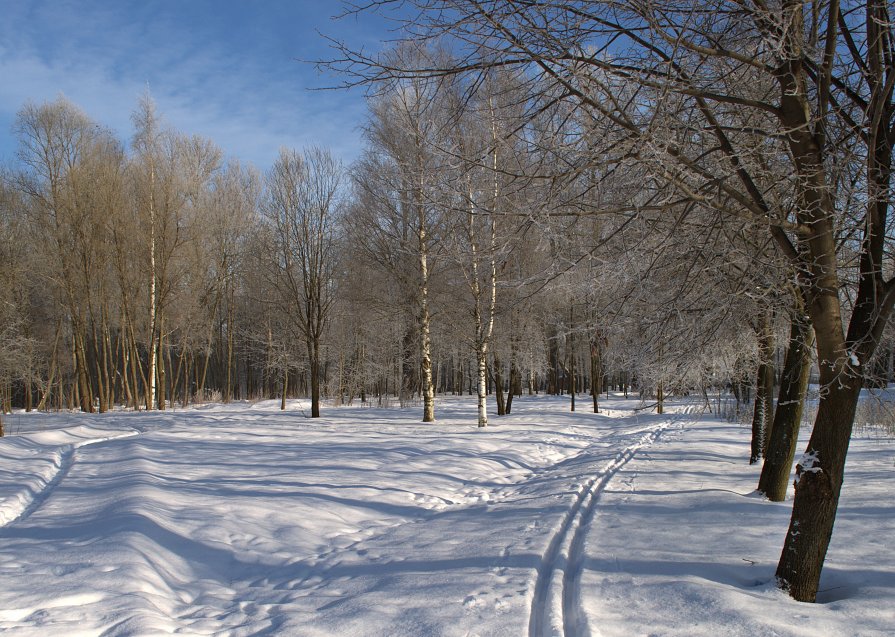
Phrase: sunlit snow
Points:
(244, 520)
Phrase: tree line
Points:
(154, 272)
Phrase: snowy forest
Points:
(661, 199)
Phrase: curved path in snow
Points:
(20, 506)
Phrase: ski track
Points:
(21, 506)
(556, 603)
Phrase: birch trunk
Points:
(425, 338)
(153, 301)
(763, 412)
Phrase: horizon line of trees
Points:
(163, 274)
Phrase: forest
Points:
(661, 198)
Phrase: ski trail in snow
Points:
(556, 605)
(20, 506)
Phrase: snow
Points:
(809, 462)
(244, 520)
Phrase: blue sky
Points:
(223, 69)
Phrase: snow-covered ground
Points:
(244, 520)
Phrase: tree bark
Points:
(818, 482)
(763, 412)
(788, 415)
(314, 351)
(481, 384)
(83, 380)
(425, 339)
(596, 371)
(515, 380)
(162, 371)
(228, 388)
(499, 396)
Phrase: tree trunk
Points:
(482, 314)
(552, 364)
(407, 368)
(416, 208)
(100, 383)
(499, 396)
(228, 388)
(314, 352)
(531, 373)
(200, 390)
(763, 413)
(29, 406)
(162, 372)
(788, 415)
(596, 372)
(151, 376)
(426, 369)
(571, 345)
(515, 380)
(188, 362)
(137, 366)
(425, 339)
(83, 381)
(53, 366)
(482, 387)
(818, 483)
(109, 365)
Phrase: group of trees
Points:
(154, 272)
(758, 139)
(561, 196)
(125, 273)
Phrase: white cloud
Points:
(248, 97)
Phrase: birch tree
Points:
(396, 178)
(147, 145)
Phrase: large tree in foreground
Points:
(727, 83)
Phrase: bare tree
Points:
(65, 156)
(397, 180)
(301, 209)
